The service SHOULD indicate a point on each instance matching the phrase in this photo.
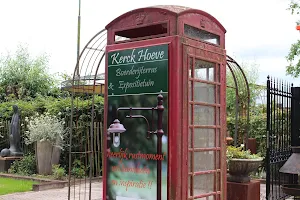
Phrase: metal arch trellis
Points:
(84, 144)
(241, 85)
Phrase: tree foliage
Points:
(22, 76)
(293, 67)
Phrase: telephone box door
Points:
(206, 122)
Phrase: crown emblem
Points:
(202, 23)
(140, 18)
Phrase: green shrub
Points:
(78, 169)
(26, 166)
(239, 153)
(58, 172)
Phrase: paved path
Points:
(59, 194)
(62, 194)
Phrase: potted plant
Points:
(47, 132)
(241, 163)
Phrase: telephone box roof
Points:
(170, 9)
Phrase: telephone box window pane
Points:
(204, 115)
(190, 90)
(207, 198)
(217, 79)
(218, 94)
(190, 114)
(218, 182)
(190, 162)
(200, 34)
(189, 186)
(190, 138)
(204, 70)
(218, 164)
(204, 137)
(218, 143)
(190, 67)
(204, 92)
(204, 161)
(203, 184)
(218, 116)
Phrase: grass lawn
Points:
(9, 185)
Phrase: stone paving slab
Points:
(62, 194)
(59, 194)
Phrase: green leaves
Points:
(294, 7)
(239, 153)
(293, 68)
(22, 76)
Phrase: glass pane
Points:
(204, 137)
(189, 186)
(190, 169)
(204, 161)
(190, 91)
(204, 92)
(203, 184)
(190, 67)
(204, 70)
(218, 117)
(218, 160)
(201, 34)
(218, 94)
(204, 115)
(190, 138)
(190, 114)
(217, 73)
(218, 182)
(207, 198)
(218, 142)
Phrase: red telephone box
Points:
(165, 106)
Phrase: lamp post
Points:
(116, 128)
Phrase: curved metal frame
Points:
(241, 84)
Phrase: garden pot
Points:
(46, 156)
(239, 169)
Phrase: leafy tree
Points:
(293, 68)
(22, 76)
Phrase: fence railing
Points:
(279, 132)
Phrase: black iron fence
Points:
(279, 136)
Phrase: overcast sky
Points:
(258, 31)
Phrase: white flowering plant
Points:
(45, 127)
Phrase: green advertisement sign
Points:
(135, 79)
(136, 71)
